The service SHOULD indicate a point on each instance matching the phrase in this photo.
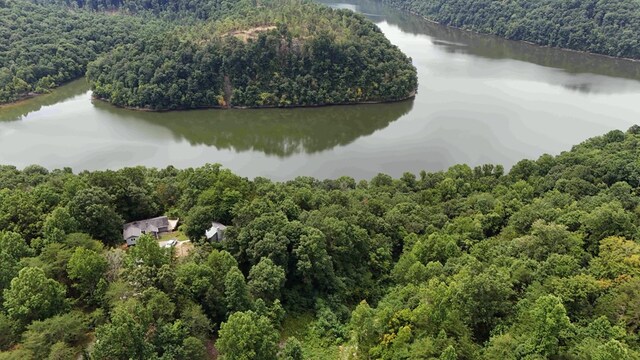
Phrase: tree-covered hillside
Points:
(43, 46)
(467, 263)
(205, 53)
(183, 10)
(608, 27)
(280, 53)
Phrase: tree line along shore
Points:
(468, 263)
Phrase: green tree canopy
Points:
(33, 296)
(247, 336)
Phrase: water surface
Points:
(481, 100)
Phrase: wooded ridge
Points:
(607, 27)
(182, 55)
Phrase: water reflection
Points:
(571, 62)
(20, 110)
(456, 41)
(279, 132)
(481, 100)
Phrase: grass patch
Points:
(296, 325)
(178, 235)
(312, 346)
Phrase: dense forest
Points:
(608, 27)
(273, 55)
(43, 46)
(467, 263)
(192, 54)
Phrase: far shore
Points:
(20, 100)
(32, 95)
(520, 41)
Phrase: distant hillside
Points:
(43, 46)
(164, 55)
(279, 54)
(608, 27)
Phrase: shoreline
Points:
(34, 95)
(31, 96)
(21, 100)
(140, 109)
(423, 17)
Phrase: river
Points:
(480, 100)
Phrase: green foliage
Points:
(12, 249)
(196, 321)
(236, 292)
(266, 280)
(608, 220)
(464, 263)
(550, 328)
(92, 209)
(193, 348)
(123, 338)
(200, 53)
(58, 224)
(448, 354)
(363, 329)
(20, 354)
(280, 54)
(148, 253)
(14, 245)
(43, 45)
(292, 350)
(8, 332)
(247, 336)
(198, 222)
(33, 296)
(314, 263)
(62, 351)
(20, 213)
(43, 338)
(602, 27)
(87, 268)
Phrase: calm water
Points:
(481, 100)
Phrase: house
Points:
(216, 232)
(156, 226)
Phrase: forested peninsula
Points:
(205, 53)
(468, 263)
(607, 27)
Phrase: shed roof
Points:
(215, 227)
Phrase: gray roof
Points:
(149, 225)
(215, 227)
(131, 231)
